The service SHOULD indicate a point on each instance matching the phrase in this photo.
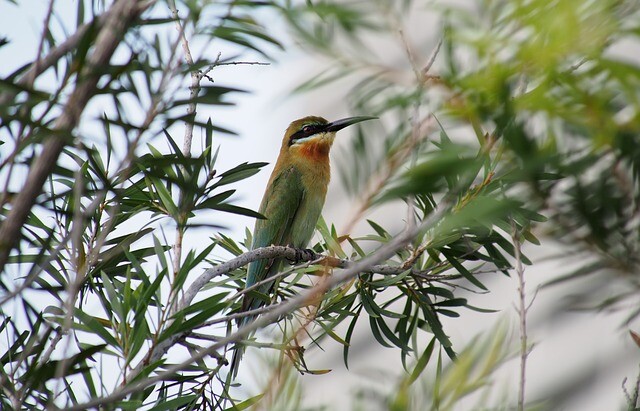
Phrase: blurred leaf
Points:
(174, 403)
(430, 175)
(635, 337)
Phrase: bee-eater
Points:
(292, 202)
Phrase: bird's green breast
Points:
(293, 203)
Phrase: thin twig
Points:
(237, 63)
(194, 89)
(522, 314)
(420, 127)
(431, 59)
(188, 137)
(258, 344)
(285, 273)
(267, 253)
(242, 314)
(43, 36)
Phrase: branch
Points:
(260, 253)
(39, 66)
(194, 89)
(431, 59)
(239, 63)
(292, 254)
(273, 251)
(122, 14)
(382, 254)
(43, 36)
(522, 313)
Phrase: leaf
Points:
(378, 229)
(376, 332)
(239, 172)
(348, 335)
(635, 337)
(321, 79)
(245, 404)
(369, 304)
(174, 403)
(210, 95)
(208, 141)
(422, 362)
(217, 199)
(429, 176)
(391, 335)
(327, 329)
(462, 270)
(439, 291)
(448, 313)
(165, 197)
(241, 37)
(204, 305)
(233, 209)
(454, 302)
(95, 325)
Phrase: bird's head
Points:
(312, 137)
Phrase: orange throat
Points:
(315, 150)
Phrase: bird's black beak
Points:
(346, 122)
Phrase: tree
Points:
(519, 120)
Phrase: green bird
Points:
(292, 202)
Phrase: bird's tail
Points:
(238, 352)
(239, 348)
(248, 303)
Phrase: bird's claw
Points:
(303, 254)
(311, 255)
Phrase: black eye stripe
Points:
(306, 131)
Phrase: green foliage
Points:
(472, 372)
(526, 124)
(93, 282)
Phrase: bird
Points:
(291, 204)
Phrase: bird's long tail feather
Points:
(238, 350)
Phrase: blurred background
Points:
(582, 356)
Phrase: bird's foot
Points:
(303, 254)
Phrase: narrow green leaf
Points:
(217, 199)
(245, 404)
(96, 327)
(233, 209)
(165, 197)
(348, 335)
(462, 270)
(174, 403)
(376, 332)
(422, 362)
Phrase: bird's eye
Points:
(307, 129)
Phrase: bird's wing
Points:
(280, 205)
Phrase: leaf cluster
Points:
(538, 137)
